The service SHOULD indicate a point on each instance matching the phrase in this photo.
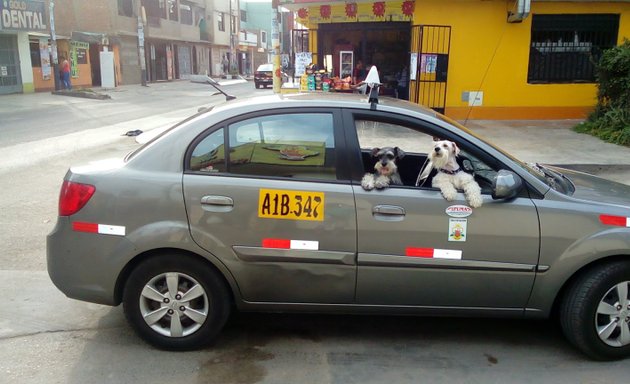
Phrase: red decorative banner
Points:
(378, 8)
(351, 10)
(324, 10)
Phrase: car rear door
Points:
(278, 210)
(417, 249)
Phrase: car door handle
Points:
(389, 210)
(223, 201)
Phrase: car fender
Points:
(586, 251)
(170, 235)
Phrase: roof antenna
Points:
(373, 82)
(209, 80)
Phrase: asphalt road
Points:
(48, 338)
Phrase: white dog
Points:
(450, 176)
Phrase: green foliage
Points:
(610, 120)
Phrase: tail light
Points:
(73, 197)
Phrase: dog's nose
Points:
(437, 149)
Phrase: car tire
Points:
(257, 85)
(176, 302)
(595, 312)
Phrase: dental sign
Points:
(19, 15)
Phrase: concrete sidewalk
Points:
(555, 142)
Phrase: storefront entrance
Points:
(385, 45)
(10, 79)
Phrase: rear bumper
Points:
(85, 266)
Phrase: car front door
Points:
(275, 207)
(417, 249)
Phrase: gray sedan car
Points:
(257, 205)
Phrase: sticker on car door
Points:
(291, 205)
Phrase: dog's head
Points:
(387, 156)
(443, 153)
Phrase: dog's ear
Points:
(455, 149)
(375, 151)
(399, 153)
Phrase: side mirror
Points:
(506, 185)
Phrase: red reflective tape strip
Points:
(619, 221)
(419, 252)
(84, 227)
(276, 243)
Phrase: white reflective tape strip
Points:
(447, 254)
(305, 244)
(116, 230)
(628, 222)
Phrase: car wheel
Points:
(257, 85)
(595, 312)
(176, 302)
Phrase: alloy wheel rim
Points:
(174, 304)
(612, 319)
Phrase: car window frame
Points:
(414, 123)
(341, 165)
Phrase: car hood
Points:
(589, 187)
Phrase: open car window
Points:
(416, 144)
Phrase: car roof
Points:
(265, 67)
(320, 99)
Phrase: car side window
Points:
(416, 144)
(209, 154)
(377, 134)
(294, 145)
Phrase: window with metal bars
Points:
(565, 48)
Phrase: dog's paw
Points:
(368, 182)
(475, 201)
(381, 182)
(449, 195)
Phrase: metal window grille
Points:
(565, 48)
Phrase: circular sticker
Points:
(459, 211)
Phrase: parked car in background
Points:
(257, 205)
(264, 76)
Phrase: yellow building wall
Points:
(490, 55)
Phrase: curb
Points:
(83, 94)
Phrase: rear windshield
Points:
(265, 67)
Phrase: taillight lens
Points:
(73, 197)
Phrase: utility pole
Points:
(233, 62)
(143, 61)
(53, 45)
(275, 47)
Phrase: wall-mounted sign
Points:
(23, 15)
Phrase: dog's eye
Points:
(390, 156)
(445, 146)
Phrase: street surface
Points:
(48, 338)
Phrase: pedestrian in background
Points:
(65, 73)
(402, 88)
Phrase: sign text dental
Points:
(22, 15)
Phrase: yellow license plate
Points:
(292, 205)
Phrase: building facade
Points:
(471, 59)
(101, 39)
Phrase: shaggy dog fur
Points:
(450, 176)
(386, 171)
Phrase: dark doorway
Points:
(385, 45)
(95, 64)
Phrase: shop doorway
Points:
(10, 78)
(385, 45)
(430, 47)
(95, 64)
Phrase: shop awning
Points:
(47, 35)
(94, 38)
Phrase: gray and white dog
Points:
(386, 170)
